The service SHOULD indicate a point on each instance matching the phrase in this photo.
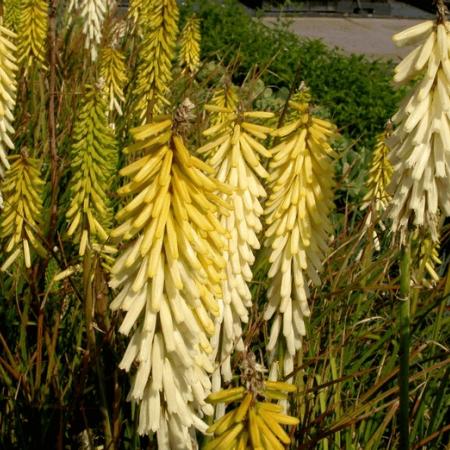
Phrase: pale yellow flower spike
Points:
(298, 219)
(32, 33)
(235, 153)
(169, 277)
(426, 252)
(114, 73)
(421, 142)
(190, 45)
(155, 58)
(11, 10)
(21, 217)
(8, 89)
(94, 161)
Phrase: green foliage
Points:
(357, 92)
(351, 361)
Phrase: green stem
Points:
(404, 332)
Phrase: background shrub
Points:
(356, 91)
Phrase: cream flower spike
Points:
(8, 89)
(93, 14)
(169, 278)
(235, 153)
(298, 220)
(420, 144)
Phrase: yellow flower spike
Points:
(94, 161)
(380, 174)
(251, 423)
(377, 197)
(11, 10)
(426, 251)
(298, 222)
(8, 89)
(137, 12)
(190, 45)
(167, 281)
(32, 33)
(420, 144)
(160, 29)
(226, 99)
(21, 218)
(114, 73)
(237, 163)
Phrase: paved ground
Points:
(370, 36)
(400, 9)
(395, 8)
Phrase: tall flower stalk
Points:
(420, 144)
(298, 222)
(420, 156)
(170, 278)
(236, 154)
